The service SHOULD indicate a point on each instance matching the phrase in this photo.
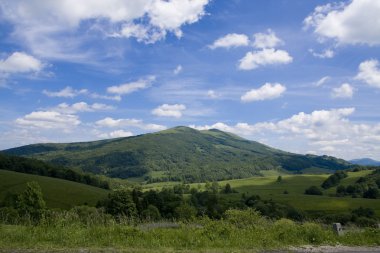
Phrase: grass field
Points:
(268, 188)
(58, 193)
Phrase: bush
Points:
(151, 213)
(30, 202)
(371, 193)
(120, 203)
(334, 179)
(185, 212)
(313, 190)
(244, 218)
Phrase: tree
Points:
(371, 193)
(31, 202)
(215, 187)
(313, 190)
(228, 189)
(185, 212)
(279, 179)
(340, 190)
(120, 203)
(151, 213)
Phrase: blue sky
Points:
(303, 76)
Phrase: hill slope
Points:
(175, 154)
(57, 193)
(365, 162)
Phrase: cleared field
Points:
(268, 188)
(58, 193)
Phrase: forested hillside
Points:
(176, 154)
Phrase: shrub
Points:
(151, 213)
(30, 202)
(244, 218)
(313, 190)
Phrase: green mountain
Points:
(180, 153)
(365, 162)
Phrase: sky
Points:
(302, 76)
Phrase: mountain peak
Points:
(178, 153)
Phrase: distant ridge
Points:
(365, 162)
(179, 153)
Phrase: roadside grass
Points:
(57, 193)
(239, 231)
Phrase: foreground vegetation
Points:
(209, 217)
(237, 230)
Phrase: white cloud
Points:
(177, 70)
(19, 62)
(255, 59)
(231, 40)
(113, 123)
(96, 95)
(212, 94)
(319, 131)
(344, 91)
(322, 81)
(352, 22)
(132, 87)
(47, 27)
(265, 92)
(49, 120)
(116, 134)
(328, 53)
(82, 107)
(67, 92)
(167, 110)
(266, 40)
(369, 73)
(171, 15)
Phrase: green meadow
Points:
(57, 193)
(267, 187)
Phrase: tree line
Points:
(37, 167)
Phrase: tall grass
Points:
(239, 230)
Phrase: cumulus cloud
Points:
(49, 120)
(230, 40)
(266, 40)
(369, 73)
(343, 91)
(41, 25)
(265, 92)
(67, 92)
(19, 62)
(132, 86)
(328, 53)
(267, 56)
(113, 123)
(167, 110)
(318, 131)
(352, 22)
(116, 134)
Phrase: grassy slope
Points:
(58, 193)
(180, 152)
(268, 188)
(296, 184)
